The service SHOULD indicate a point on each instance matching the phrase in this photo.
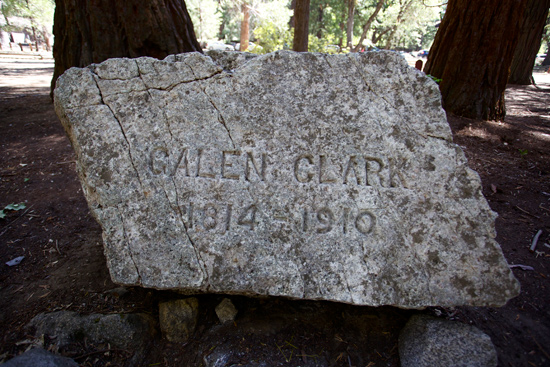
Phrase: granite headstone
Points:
(303, 175)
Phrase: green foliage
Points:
(523, 152)
(13, 207)
(230, 28)
(327, 19)
(324, 45)
(271, 29)
(206, 17)
(437, 80)
(407, 24)
(400, 24)
(272, 38)
(39, 14)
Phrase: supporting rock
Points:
(430, 342)
(178, 319)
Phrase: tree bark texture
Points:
(301, 26)
(245, 25)
(91, 31)
(472, 53)
(530, 37)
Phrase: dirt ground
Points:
(64, 267)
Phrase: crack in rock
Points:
(123, 133)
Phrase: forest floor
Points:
(64, 267)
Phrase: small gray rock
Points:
(430, 342)
(38, 357)
(226, 311)
(124, 331)
(178, 319)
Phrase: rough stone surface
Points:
(430, 342)
(226, 311)
(38, 357)
(290, 174)
(123, 331)
(178, 319)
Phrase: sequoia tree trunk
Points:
(91, 31)
(530, 37)
(472, 53)
(301, 26)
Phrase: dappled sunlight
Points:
(478, 132)
(524, 135)
(28, 76)
(539, 135)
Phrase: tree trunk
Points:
(472, 53)
(291, 21)
(377, 37)
(349, 27)
(320, 21)
(546, 60)
(402, 12)
(301, 26)
(367, 25)
(245, 34)
(532, 27)
(91, 31)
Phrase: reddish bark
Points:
(472, 53)
(530, 37)
(91, 31)
(245, 28)
(301, 26)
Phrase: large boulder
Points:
(303, 175)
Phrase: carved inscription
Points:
(223, 217)
(219, 217)
(325, 220)
(350, 170)
(241, 165)
(205, 163)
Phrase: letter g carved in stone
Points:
(303, 168)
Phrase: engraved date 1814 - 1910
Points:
(223, 217)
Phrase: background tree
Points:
(327, 21)
(472, 53)
(91, 31)
(38, 13)
(245, 27)
(271, 27)
(407, 24)
(230, 27)
(301, 26)
(368, 23)
(206, 18)
(350, 22)
(532, 27)
(405, 7)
